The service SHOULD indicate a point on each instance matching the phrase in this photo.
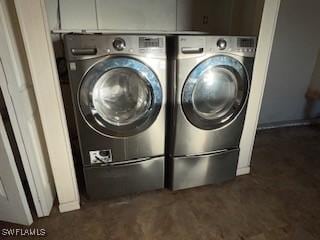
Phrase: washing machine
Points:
(210, 83)
(118, 85)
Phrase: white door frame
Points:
(36, 37)
(259, 77)
(40, 54)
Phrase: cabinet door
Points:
(212, 16)
(137, 15)
(78, 14)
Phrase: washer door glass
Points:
(214, 92)
(120, 97)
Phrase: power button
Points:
(221, 44)
(119, 44)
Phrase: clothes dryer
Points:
(209, 82)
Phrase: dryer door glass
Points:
(120, 97)
(215, 92)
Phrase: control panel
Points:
(199, 45)
(100, 157)
(151, 42)
(86, 46)
(246, 44)
(239, 44)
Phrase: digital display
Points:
(149, 42)
(246, 42)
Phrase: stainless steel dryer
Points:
(118, 85)
(209, 85)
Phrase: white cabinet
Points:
(213, 16)
(232, 17)
(148, 15)
(78, 14)
(136, 15)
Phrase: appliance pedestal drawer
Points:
(193, 171)
(119, 180)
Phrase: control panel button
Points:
(221, 44)
(119, 44)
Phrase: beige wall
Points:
(293, 58)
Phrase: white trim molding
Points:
(69, 206)
(260, 70)
(36, 37)
(243, 171)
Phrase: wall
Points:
(296, 44)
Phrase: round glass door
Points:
(120, 97)
(215, 92)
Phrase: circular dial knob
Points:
(119, 44)
(222, 44)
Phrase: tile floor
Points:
(280, 199)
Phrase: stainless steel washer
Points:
(118, 85)
(210, 81)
